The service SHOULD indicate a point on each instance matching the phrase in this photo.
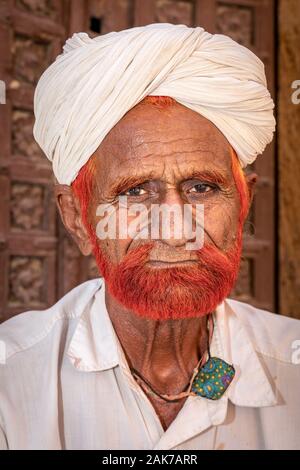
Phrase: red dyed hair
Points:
(241, 185)
(160, 102)
(83, 187)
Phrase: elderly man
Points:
(153, 354)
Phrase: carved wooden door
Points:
(38, 261)
(31, 33)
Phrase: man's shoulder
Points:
(26, 329)
(272, 335)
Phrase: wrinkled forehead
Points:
(148, 135)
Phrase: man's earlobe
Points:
(251, 180)
(70, 213)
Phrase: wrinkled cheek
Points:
(113, 250)
(221, 223)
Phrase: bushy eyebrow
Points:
(210, 176)
(124, 183)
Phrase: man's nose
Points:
(172, 229)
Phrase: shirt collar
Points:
(231, 342)
(95, 347)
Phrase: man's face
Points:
(168, 156)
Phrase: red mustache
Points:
(172, 292)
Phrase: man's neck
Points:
(163, 352)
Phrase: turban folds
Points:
(95, 81)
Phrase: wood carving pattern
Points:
(168, 11)
(39, 7)
(236, 22)
(26, 278)
(27, 206)
(23, 143)
(31, 58)
(113, 15)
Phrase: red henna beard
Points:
(174, 292)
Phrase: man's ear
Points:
(251, 179)
(69, 209)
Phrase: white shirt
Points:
(66, 383)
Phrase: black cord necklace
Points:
(173, 398)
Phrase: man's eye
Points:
(201, 188)
(136, 191)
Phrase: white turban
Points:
(94, 82)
